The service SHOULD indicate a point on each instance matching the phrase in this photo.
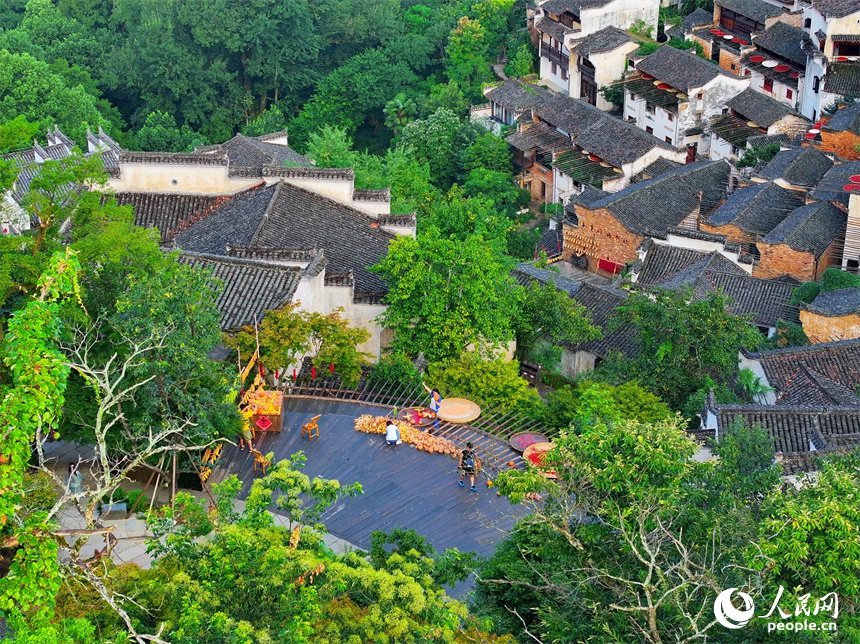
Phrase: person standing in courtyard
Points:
(468, 466)
(245, 434)
(435, 402)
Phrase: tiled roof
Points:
(538, 136)
(810, 229)
(681, 69)
(247, 152)
(672, 267)
(756, 209)
(517, 96)
(615, 141)
(837, 361)
(173, 158)
(784, 41)
(698, 18)
(168, 212)
(804, 166)
(372, 195)
(251, 287)
(841, 301)
(837, 8)
(601, 41)
(288, 216)
(574, 6)
(553, 28)
(552, 242)
(846, 119)
(842, 78)
(526, 273)
(757, 107)
(790, 77)
(766, 139)
(660, 166)
(650, 207)
(758, 10)
(809, 388)
(734, 129)
(600, 304)
(832, 185)
(766, 301)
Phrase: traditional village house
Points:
(777, 67)
(598, 61)
(833, 61)
(798, 169)
(674, 94)
(604, 234)
(832, 315)
(751, 114)
(666, 266)
(510, 102)
(698, 18)
(804, 244)
(841, 133)
(604, 152)
(560, 23)
(729, 35)
(750, 213)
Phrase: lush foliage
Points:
(758, 154)
(832, 279)
(493, 383)
(565, 405)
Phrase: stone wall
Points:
(820, 328)
(781, 259)
(600, 237)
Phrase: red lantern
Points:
(331, 368)
(313, 372)
(276, 374)
(260, 364)
(294, 375)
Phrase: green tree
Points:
(445, 294)
(548, 313)
(398, 112)
(630, 401)
(439, 140)
(522, 64)
(683, 343)
(488, 152)
(759, 154)
(160, 133)
(271, 120)
(17, 133)
(467, 52)
(331, 147)
(494, 383)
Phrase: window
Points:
(846, 49)
(734, 67)
(767, 85)
(563, 73)
(815, 83)
(807, 23)
(737, 22)
(631, 118)
(669, 140)
(649, 107)
(649, 129)
(725, 110)
(789, 94)
(671, 116)
(554, 69)
(852, 265)
(700, 96)
(747, 72)
(736, 151)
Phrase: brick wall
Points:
(730, 62)
(600, 236)
(732, 232)
(829, 329)
(781, 259)
(539, 176)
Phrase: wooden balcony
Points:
(555, 56)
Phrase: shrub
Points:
(395, 367)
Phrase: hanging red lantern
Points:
(331, 368)
(260, 364)
(294, 375)
(276, 374)
(313, 372)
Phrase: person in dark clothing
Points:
(468, 465)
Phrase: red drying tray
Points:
(594, 157)
(782, 68)
(756, 59)
(522, 441)
(854, 178)
(795, 74)
(664, 86)
(647, 77)
(715, 31)
(850, 187)
(737, 40)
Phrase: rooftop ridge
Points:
(174, 158)
(284, 172)
(372, 195)
(242, 261)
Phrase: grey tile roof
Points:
(288, 216)
(660, 166)
(615, 141)
(650, 207)
(553, 28)
(734, 129)
(601, 304)
(538, 136)
(831, 186)
(842, 78)
(517, 96)
(757, 107)
(601, 41)
(526, 273)
(766, 301)
(846, 119)
(758, 10)
(251, 287)
(757, 209)
(552, 242)
(837, 361)
(805, 166)
(838, 302)
(837, 8)
(671, 267)
(810, 229)
(681, 69)
(246, 152)
(698, 18)
(785, 41)
(169, 212)
(766, 139)
(573, 6)
(809, 388)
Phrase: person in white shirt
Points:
(392, 434)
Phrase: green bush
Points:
(494, 384)
(805, 292)
(396, 367)
(834, 278)
(630, 402)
